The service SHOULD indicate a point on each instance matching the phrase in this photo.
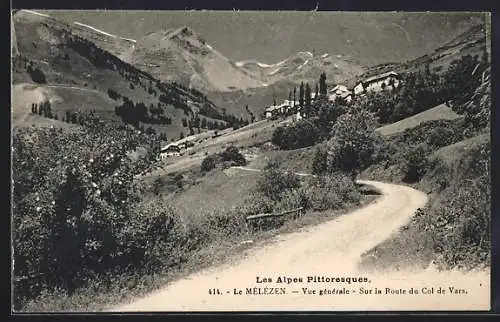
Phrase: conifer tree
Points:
(307, 100)
(301, 94)
(322, 84)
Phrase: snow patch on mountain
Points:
(36, 13)
(300, 67)
(274, 71)
(94, 29)
(102, 31)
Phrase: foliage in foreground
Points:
(278, 190)
(73, 204)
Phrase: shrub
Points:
(302, 134)
(320, 164)
(461, 222)
(152, 236)
(37, 75)
(208, 163)
(233, 155)
(292, 199)
(273, 182)
(65, 183)
(416, 163)
(353, 142)
(333, 191)
(229, 157)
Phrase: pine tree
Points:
(307, 99)
(301, 94)
(294, 95)
(322, 84)
(290, 96)
(317, 92)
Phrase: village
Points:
(338, 93)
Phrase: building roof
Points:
(339, 87)
(272, 108)
(377, 77)
(171, 146)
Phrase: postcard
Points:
(250, 161)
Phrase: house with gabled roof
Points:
(378, 83)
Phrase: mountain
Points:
(270, 36)
(183, 56)
(303, 66)
(75, 75)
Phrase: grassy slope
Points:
(412, 246)
(440, 112)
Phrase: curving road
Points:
(330, 249)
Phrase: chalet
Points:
(170, 151)
(185, 144)
(277, 110)
(340, 92)
(377, 83)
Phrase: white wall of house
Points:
(376, 86)
(358, 89)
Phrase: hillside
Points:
(75, 74)
(440, 112)
(470, 42)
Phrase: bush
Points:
(300, 135)
(37, 75)
(333, 191)
(416, 163)
(233, 155)
(461, 222)
(65, 183)
(320, 164)
(208, 163)
(153, 236)
(353, 142)
(273, 182)
(228, 158)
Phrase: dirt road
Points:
(329, 250)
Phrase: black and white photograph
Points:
(250, 161)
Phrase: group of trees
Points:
(304, 99)
(43, 109)
(36, 74)
(135, 113)
(199, 123)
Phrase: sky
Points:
(270, 36)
